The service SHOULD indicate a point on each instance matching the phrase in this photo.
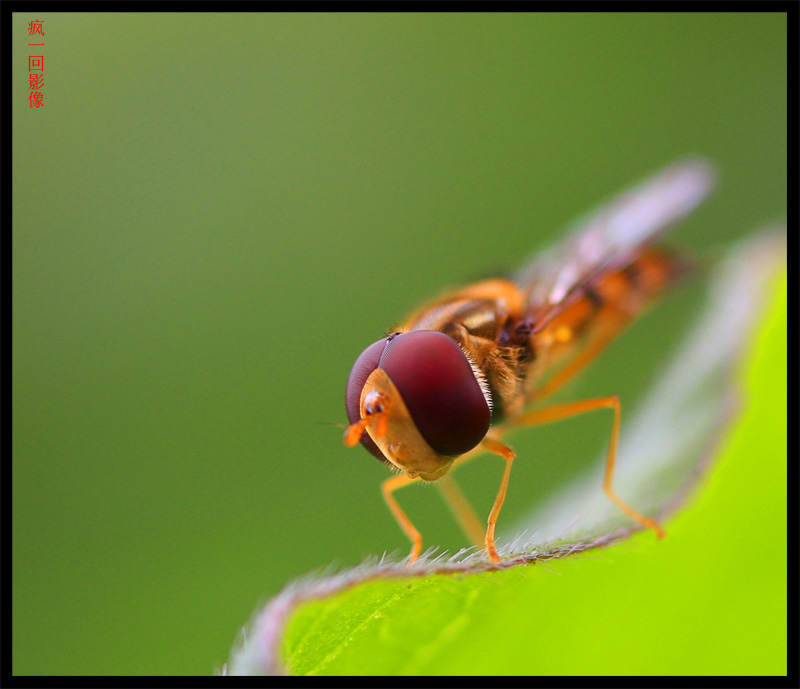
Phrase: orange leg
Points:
(388, 487)
(508, 454)
(462, 510)
(564, 411)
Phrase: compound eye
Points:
(436, 381)
(364, 366)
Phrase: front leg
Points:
(387, 488)
(496, 447)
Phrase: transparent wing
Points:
(610, 238)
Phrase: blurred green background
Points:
(215, 213)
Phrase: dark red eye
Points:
(435, 380)
(365, 364)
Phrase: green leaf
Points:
(708, 600)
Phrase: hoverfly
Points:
(465, 368)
